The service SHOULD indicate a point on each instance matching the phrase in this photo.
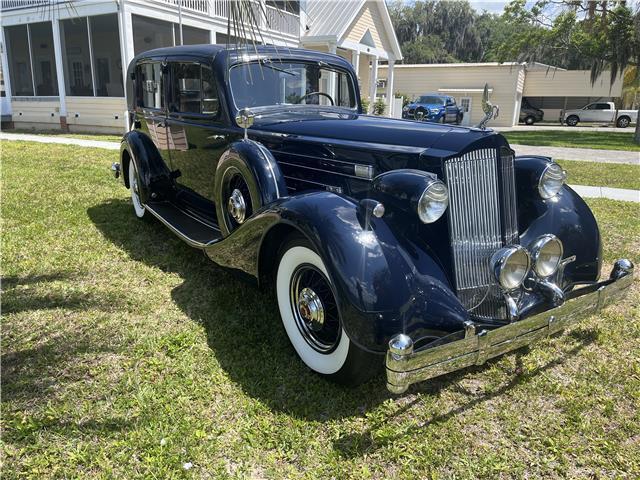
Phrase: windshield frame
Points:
(273, 63)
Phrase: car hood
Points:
(361, 129)
(426, 105)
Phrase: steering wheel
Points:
(317, 93)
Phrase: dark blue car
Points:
(419, 247)
(434, 108)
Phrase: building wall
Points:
(570, 83)
(96, 113)
(36, 113)
(415, 80)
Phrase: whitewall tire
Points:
(309, 310)
(138, 207)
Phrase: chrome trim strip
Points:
(404, 370)
(297, 165)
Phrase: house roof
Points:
(331, 19)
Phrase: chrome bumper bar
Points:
(405, 367)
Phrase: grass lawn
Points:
(128, 354)
(575, 139)
(602, 174)
(84, 136)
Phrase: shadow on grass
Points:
(244, 331)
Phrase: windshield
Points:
(431, 100)
(264, 84)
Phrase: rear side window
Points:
(149, 81)
(194, 89)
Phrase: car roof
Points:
(236, 53)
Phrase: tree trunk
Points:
(636, 136)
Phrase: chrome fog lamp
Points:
(546, 254)
(433, 202)
(551, 181)
(511, 266)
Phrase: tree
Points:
(599, 36)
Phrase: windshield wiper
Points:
(267, 64)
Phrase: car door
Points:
(589, 113)
(151, 109)
(197, 134)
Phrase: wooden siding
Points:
(36, 111)
(369, 18)
(570, 83)
(96, 112)
(418, 80)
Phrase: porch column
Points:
(125, 27)
(5, 67)
(62, 93)
(374, 80)
(355, 61)
(390, 96)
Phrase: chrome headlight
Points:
(546, 253)
(433, 202)
(511, 266)
(551, 180)
(434, 110)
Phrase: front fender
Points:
(384, 287)
(566, 215)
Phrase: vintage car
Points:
(421, 247)
(433, 107)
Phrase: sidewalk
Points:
(563, 128)
(582, 190)
(584, 154)
(62, 140)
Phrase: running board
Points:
(191, 230)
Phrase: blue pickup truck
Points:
(434, 107)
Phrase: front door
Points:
(196, 134)
(465, 108)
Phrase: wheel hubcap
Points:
(237, 207)
(311, 309)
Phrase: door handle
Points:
(217, 137)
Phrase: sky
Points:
(491, 6)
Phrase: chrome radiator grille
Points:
(482, 218)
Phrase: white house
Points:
(64, 61)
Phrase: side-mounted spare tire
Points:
(247, 177)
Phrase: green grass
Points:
(575, 139)
(126, 354)
(602, 174)
(57, 133)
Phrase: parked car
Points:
(422, 247)
(601, 112)
(530, 114)
(434, 107)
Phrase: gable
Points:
(368, 28)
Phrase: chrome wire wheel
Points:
(314, 308)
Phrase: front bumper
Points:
(405, 367)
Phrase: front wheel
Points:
(529, 120)
(572, 121)
(311, 317)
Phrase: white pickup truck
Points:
(601, 112)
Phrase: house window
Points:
(77, 58)
(19, 60)
(149, 33)
(190, 35)
(44, 61)
(107, 63)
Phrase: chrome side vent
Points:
(482, 218)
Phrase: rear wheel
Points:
(311, 317)
(529, 120)
(572, 120)
(623, 122)
(134, 186)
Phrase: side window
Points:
(210, 102)
(590, 107)
(149, 82)
(602, 106)
(186, 88)
(194, 89)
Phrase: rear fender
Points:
(383, 287)
(153, 172)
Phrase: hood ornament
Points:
(244, 119)
(490, 111)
